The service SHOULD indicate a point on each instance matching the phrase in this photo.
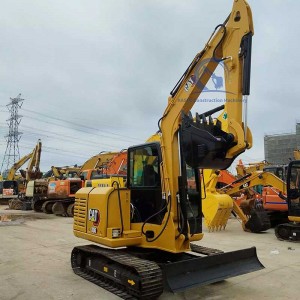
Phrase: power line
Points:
(77, 129)
(63, 137)
(56, 151)
(80, 125)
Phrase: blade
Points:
(205, 270)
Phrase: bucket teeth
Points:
(216, 211)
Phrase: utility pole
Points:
(12, 153)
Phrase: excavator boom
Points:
(17, 166)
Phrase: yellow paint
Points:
(105, 199)
(131, 282)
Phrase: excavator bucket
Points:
(258, 221)
(216, 210)
(198, 271)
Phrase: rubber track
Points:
(205, 250)
(149, 273)
(289, 228)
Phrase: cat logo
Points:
(191, 82)
(94, 216)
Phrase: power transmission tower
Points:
(12, 153)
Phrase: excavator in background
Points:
(272, 199)
(150, 227)
(252, 212)
(60, 196)
(114, 170)
(243, 170)
(291, 231)
(61, 172)
(95, 165)
(37, 190)
(32, 172)
(33, 169)
(278, 170)
(64, 172)
(13, 184)
(217, 206)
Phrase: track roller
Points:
(70, 210)
(15, 204)
(59, 209)
(37, 205)
(47, 207)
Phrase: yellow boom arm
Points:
(231, 45)
(256, 178)
(17, 166)
(33, 168)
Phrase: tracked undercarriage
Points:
(288, 232)
(135, 273)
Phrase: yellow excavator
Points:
(155, 219)
(243, 170)
(64, 172)
(32, 172)
(291, 231)
(13, 185)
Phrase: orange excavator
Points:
(105, 167)
(273, 197)
(254, 207)
(115, 169)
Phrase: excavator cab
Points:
(143, 180)
(291, 231)
(279, 171)
(293, 190)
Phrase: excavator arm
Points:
(203, 142)
(242, 169)
(33, 168)
(254, 220)
(98, 160)
(17, 166)
(56, 171)
(254, 179)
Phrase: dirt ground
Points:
(35, 263)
